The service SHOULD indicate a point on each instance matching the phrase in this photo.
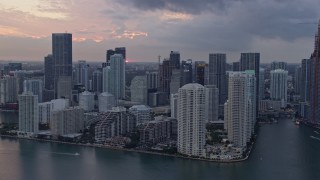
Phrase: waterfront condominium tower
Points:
(278, 86)
(117, 79)
(314, 115)
(217, 74)
(62, 58)
(240, 108)
(28, 113)
(251, 61)
(191, 119)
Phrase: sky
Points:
(278, 29)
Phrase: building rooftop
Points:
(192, 86)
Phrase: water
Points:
(282, 151)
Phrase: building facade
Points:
(28, 113)
(191, 120)
(240, 108)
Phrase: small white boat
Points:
(297, 123)
(76, 154)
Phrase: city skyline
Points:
(278, 30)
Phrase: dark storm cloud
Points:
(186, 6)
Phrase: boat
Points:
(297, 122)
(76, 154)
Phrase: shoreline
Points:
(135, 150)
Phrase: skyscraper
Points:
(306, 70)
(82, 77)
(297, 80)
(278, 85)
(186, 72)
(315, 81)
(217, 74)
(97, 84)
(122, 51)
(175, 59)
(261, 83)
(139, 91)
(165, 72)
(48, 73)
(28, 113)
(109, 53)
(236, 66)
(191, 120)
(200, 68)
(279, 65)
(35, 86)
(62, 57)
(117, 80)
(240, 108)
(251, 61)
(152, 80)
(212, 102)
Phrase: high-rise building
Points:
(165, 72)
(106, 102)
(191, 120)
(82, 74)
(105, 79)
(117, 79)
(278, 86)
(314, 114)
(236, 66)
(175, 59)
(261, 83)
(251, 61)
(35, 86)
(9, 89)
(186, 72)
(297, 80)
(175, 82)
(212, 102)
(28, 113)
(62, 58)
(48, 72)
(97, 83)
(46, 108)
(278, 65)
(240, 108)
(139, 91)
(200, 75)
(64, 87)
(152, 80)
(67, 121)
(174, 105)
(306, 70)
(109, 53)
(122, 51)
(86, 101)
(217, 74)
